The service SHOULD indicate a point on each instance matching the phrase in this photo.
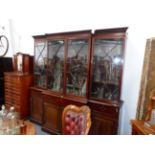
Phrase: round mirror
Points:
(4, 45)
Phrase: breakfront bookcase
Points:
(78, 68)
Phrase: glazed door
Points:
(77, 67)
(55, 74)
(106, 72)
(40, 64)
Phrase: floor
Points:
(39, 131)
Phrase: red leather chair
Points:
(76, 120)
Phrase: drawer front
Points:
(13, 79)
(8, 100)
(17, 108)
(12, 85)
(11, 101)
(8, 78)
(12, 91)
(110, 111)
(13, 98)
(51, 99)
(66, 102)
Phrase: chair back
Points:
(76, 120)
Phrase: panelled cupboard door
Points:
(102, 125)
(51, 118)
(36, 103)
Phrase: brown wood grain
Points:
(17, 92)
(105, 112)
(138, 128)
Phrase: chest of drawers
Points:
(17, 92)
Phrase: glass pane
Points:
(77, 67)
(40, 64)
(55, 65)
(107, 63)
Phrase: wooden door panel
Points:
(36, 106)
(51, 117)
(36, 110)
(102, 125)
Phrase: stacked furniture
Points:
(17, 85)
(78, 68)
(5, 66)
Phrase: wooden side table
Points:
(138, 128)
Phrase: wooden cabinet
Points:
(52, 113)
(17, 92)
(102, 125)
(104, 119)
(5, 66)
(80, 68)
(53, 106)
(36, 109)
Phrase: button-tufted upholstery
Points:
(76, 120)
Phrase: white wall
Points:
(5, 30)
(48, 16)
